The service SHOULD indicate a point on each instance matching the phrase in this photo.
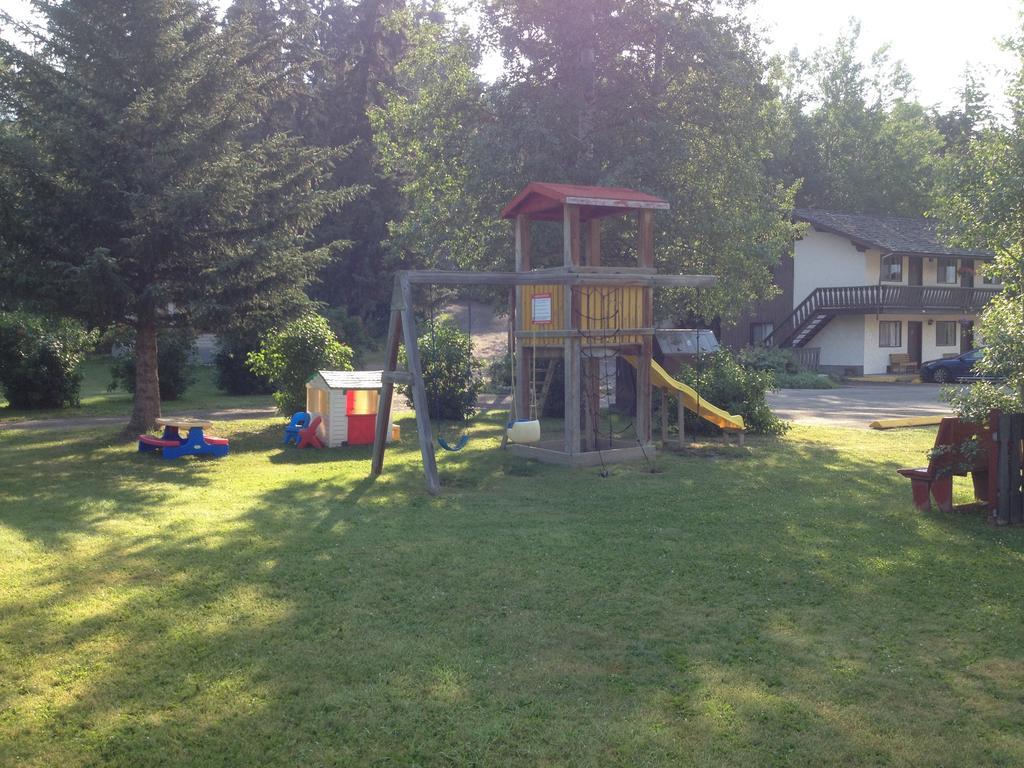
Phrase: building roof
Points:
(541, 200)
(349, 379)
(889, 234)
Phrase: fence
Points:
(808, 358)
(1009, 435)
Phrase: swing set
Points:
(581, 316)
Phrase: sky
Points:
(936, 39)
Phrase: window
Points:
(890, 333)
(892, 269)
(945, 333)
(987, 279)
(760, 331)
(946, 272)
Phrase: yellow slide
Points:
(661, 379)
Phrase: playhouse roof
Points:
(348, 379)
(541, 200)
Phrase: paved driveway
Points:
(856, 406)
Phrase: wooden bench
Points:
(901, 363)
(936, 480)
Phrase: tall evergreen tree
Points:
(149, 194)
(338, 56)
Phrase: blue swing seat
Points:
(459, 445)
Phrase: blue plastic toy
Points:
(300, 421)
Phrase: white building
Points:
(868, 294)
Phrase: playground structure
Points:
(578, 315)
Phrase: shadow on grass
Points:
(783, 607)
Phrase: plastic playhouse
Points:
(347, 404)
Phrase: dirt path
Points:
(488, 329)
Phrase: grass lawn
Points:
(203, 395)
(781, 604)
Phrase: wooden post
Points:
(419, 394)
(682, 421)
(594, 243)
(571, 236)
(645, 239)
(645, 258)
(523, 264)
(592, 405)
(643, 393)
(664, 418)
(1003, 433)
(571, 372)
(380, 437)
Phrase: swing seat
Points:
(459, 445)
(523, 431)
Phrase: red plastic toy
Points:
(307, 436)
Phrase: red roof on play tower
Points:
(540, 200)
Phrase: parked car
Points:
(950, 368)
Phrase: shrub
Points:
(39, 360)
(290, 356)
(769, 359)
(175, 362)
(803, 380)
(720, 379)
(233, 373)
(972, 402)
(499, 373)
(451, 376)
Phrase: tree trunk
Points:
(146, 404)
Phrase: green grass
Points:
(781, 604)
(203, 395)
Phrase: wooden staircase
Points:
(822, 304)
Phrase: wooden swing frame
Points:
(565, 342)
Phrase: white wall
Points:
(841, 341)
(823, 260)
(876, 359)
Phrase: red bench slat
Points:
(216, 440)
(150, 440)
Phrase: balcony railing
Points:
(822, 303)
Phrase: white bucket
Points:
(523, 431)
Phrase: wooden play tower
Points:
(581, 314)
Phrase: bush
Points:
(499, 373)
(972, 402)
(803, 380)
(175, 361)
(451, 376)
(773, 359)
(722, 380)
(290, 356)
(39, 360)
(233, 373)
